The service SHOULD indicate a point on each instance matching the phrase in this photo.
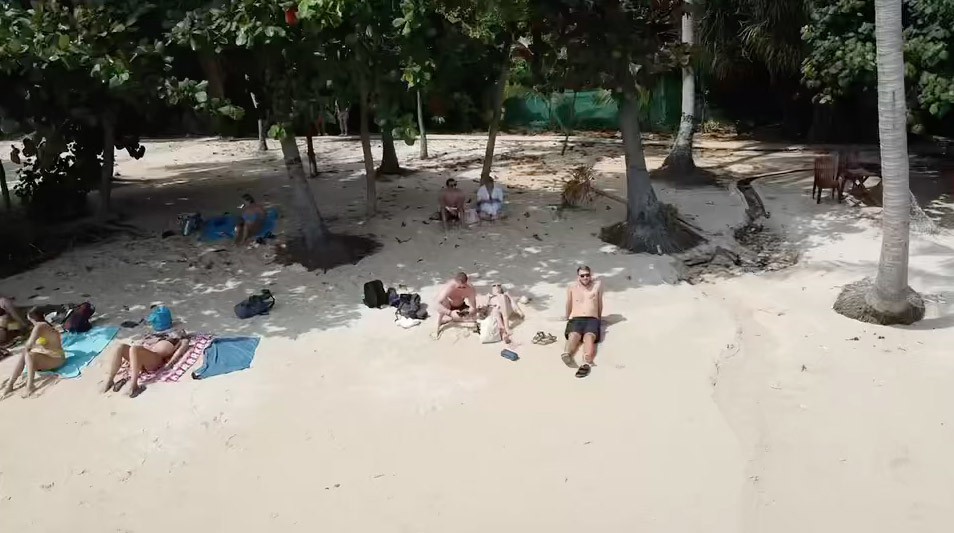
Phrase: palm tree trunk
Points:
(498, 112)
(680, 156)
(313, 227)
(420, 125)
(109, 161)
(889, 299)
(372, 196)
(312, 160)
(650, 226)
(3, 189)
(389, 159)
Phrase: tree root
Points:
(660, 232)
(338, 250)
(853, 303)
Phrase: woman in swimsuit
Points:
(250, 221)
(503, 307)
(43, 351)
(157, 352)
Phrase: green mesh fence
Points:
(592, 110)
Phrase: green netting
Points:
(592, 110)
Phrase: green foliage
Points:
(616, 45)
(842, 62)
(69, 69)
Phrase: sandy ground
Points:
(741, 404)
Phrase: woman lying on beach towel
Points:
(153, 353)
(43, 351)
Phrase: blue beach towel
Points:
(227, 355)
(223, 227)
(82, 348)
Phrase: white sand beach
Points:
(740, 404)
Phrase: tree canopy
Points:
(842, 59)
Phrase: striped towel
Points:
(198, 345)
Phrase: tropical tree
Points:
(680, 160)
(842, 63)
(82, 76)
(620, 46)
(498, 25)
(289, 61)
(889, 299)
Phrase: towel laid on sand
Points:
(223, 227)
(197, 347)
(82, 348)
(227, 355)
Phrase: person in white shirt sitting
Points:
(490, 199)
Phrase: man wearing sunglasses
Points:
(452, 203)
(584, 312)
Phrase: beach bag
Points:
(393, 298)
(471, 217)
(77, 321)
(409, 306)
(374, 295)
(160, 318)
(489, 330)
(254, 305)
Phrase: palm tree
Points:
(680, 156)
(888, 299)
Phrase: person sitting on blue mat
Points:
(250, 220)
(43, 351)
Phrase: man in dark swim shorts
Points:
(584, 311)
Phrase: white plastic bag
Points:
(489, 330)
(471, 217)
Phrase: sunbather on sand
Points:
(452, 202)
(504, 307)
(43, 351)
(157, 352)
(457, 302)
(250, 220)
(12, 324)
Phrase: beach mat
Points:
(82, 348)
(197, 347)
(227, 355)
(223, 227)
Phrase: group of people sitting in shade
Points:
(459, 303)
(453, 203)
(43, 351)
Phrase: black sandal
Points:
(583, 371)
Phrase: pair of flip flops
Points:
(543, 339)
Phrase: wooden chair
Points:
(826, 177)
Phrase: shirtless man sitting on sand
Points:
(584, 312)
(457, 302)
(452, 202)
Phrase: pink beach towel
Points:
(171, 375)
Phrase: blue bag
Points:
(160, 318)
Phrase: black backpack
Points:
(374, 295)
(254, 305)
(393, 297)
(77, 321)
(409, 305)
